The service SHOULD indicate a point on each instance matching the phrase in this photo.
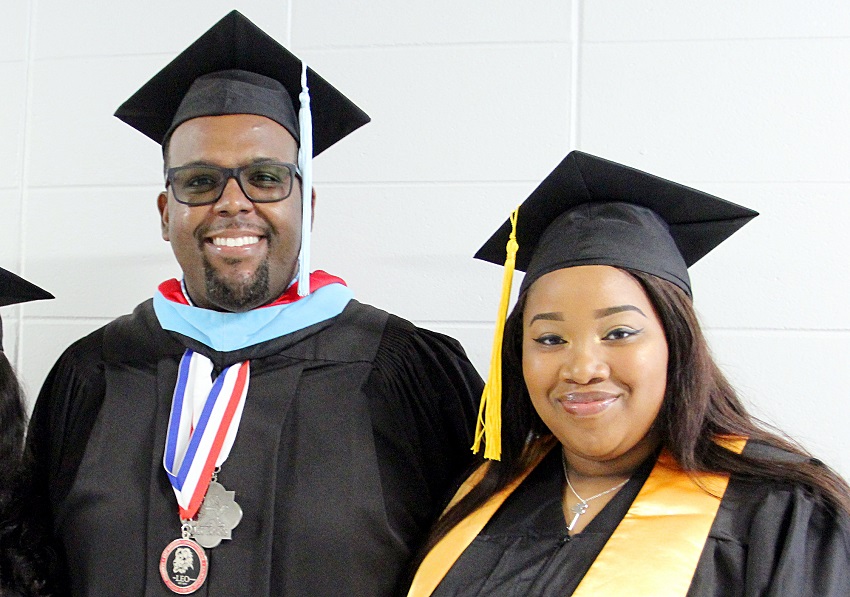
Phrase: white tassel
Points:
(305, 164)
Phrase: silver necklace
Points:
(581, 506)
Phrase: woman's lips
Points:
(584, 404)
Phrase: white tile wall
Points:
(76, 141)
(418, 263)
(796, 380)
(623, 20)
(99, 248)
(471, 105)
(388, 22)
(13, 42)
(10, 226)
(124, 28)
(787, 269)
(13, 76)
(434, 107)
(744, 110)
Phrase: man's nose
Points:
(232, 199)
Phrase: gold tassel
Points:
(490, 412)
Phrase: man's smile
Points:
(235, 239)
(239, 241)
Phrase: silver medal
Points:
(218, 516)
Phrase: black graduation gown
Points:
(353, 431)
(768, 539)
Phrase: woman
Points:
(23, 558)
(628, 465)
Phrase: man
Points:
(251, 430)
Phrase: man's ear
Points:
(162, 205)
(313, 208)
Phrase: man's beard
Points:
(235, 296)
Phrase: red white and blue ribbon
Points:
(202, 427)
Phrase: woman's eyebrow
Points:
(554, 316)
(600, 313)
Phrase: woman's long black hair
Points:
(699, 405)
(24, 559)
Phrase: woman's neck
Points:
(620, 467)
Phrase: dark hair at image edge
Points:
(24, 561)
(699, 404)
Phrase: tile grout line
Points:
(289, 12)
(24, 174)
(474, 323)
(70, 319)
(453, 45)
(489, 44)
(575, 75)
(431, 183)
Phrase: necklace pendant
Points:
(581, 506)
(578, 509)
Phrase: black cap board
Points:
(14, 289)
(591, 211)
(237, 68)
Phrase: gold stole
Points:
(654, 551)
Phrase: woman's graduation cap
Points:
(237, 68)
(591, 211)
(14, 289)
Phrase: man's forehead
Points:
(246, 124)
(225, 138)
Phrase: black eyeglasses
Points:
(263, 182)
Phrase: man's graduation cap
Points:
(14, 289)
(237, 68)
(591, 211)
(254, 74)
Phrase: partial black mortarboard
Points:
(14, 289)
(254, 74)
(591, 211)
